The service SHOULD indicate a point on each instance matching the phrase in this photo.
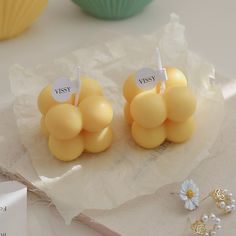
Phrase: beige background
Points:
(210, 32)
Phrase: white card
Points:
(62, 89)
(146, 78)
(13, 209)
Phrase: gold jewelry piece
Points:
(200, 227)
(223, 199)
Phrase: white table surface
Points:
(64, 28)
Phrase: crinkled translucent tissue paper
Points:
(125, 171)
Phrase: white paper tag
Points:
(13, 209)
(147, 78)
(62, 89)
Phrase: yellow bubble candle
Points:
(76, 117)
(161, 110)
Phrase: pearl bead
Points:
(230, 195)
(212, 216)
(206, 234)
(218, 227)
(232, 201)
(212, 233)
(232, 207)
(228, 208)
(222, 205)
(226, 191)
(205, 218)
(217, 220)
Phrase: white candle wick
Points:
(76, 103)
(158, 55)
(160, 68)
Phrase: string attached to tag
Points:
(147, 78)
(77, 81)
(161, 72)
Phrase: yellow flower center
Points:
(190, 193)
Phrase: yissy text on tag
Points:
(63, 88)
(147, 78)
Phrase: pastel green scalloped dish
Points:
(112, 9)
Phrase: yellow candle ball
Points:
(176, 78)
(180, 103)
(66, 150)
(130, 89)
(64, 121)
(89, 87)
(127, 114)
(95, 142)
(43, 127)
(46, 101)
(148, 138)
(179, 132)
(148, 109)
(97, 113)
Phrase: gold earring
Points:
(200, 227)
(223, 199)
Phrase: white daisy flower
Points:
(189, 193)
